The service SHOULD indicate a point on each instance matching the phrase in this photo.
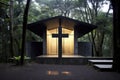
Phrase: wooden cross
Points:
(57, 35)
(60, 36)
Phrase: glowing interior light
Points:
(52, 73)
(55, 73)
(66, 73)
(67, 42)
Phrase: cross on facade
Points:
(60, 36)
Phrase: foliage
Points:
(16, 59)
(4, 31)
(90, 11)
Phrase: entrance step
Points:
(101, 64)
(69, 59)
(100, 61)
(103, 67)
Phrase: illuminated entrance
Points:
(67, 42)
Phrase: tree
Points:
(58, 7)
(4, 31)
(25, 17)
(11, 28)
(116, 35)
(90, 11)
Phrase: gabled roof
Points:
(40, 26)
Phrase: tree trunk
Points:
(25, 17)
(11, 28)
(116, 35)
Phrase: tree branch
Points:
(4, 3)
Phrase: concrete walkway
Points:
(36, 71)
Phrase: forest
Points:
(90, 11)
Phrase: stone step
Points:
(100, 61)
(64, 60)
(103, 67)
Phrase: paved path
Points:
(36, 71)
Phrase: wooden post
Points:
(60, 40)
